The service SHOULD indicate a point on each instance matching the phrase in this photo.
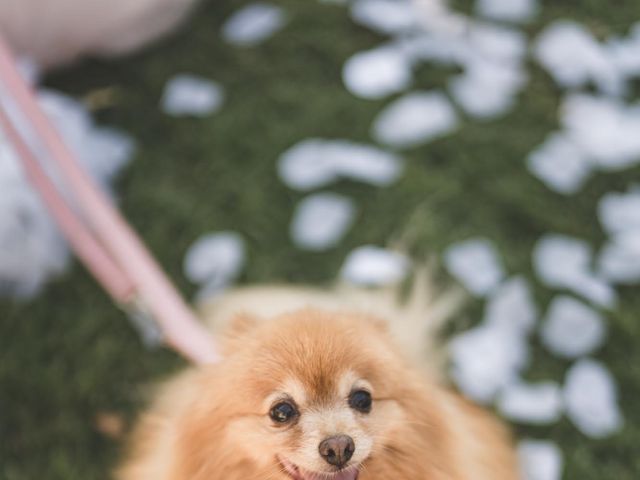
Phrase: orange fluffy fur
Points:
(213, 423)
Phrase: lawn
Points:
(69, 354)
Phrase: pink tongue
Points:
(350, 474)
(299, 474)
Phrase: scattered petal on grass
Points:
(571, 329)
(415, 118)
(487, 89)
(475, 264)
(306, 165)
(253, 24)
(103, 152)
(537, 404)
(511, 306)
(619, 262)
(540, 460)
(495, 43)
(493, 72)
(604, 128)
(374, 74)
(487, 358)
(67, 113)
(321, 220)
(365, 163)
(385, 16)
(31, 248)
(436, 48)
(437, 16)
(374, 266)
(594, 289)
(110, 150)
(573, 57)
(314, 163)
(630, 240)
(215, 257)
(508, 10)
(564, 262)
(625, 52)
(560, 164)
(620, 212)
(190, 95)
(591, 399)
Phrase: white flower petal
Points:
(215, 257)
(571, 329)
(540, 460)
(316, 162)
(475, 264)
(377, 73)
(415, 118)
(374, 266)
(591, 399)
(187, 94)
(253, 24)
(536, 404)
(321, 220)
(560, 164)
(508, 10)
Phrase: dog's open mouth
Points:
(297, 473)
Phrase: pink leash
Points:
(108, 246)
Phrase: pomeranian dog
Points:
(323, 392)
(54, 32)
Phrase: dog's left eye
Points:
(360, 400)
(283, 412)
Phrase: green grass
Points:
(70, 354)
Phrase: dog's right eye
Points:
(283, 412)
(360, 400)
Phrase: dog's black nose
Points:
(337, 450)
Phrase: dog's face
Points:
(322, 395)
(328, 430)
(314, 396)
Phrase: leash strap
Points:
(101, 238)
